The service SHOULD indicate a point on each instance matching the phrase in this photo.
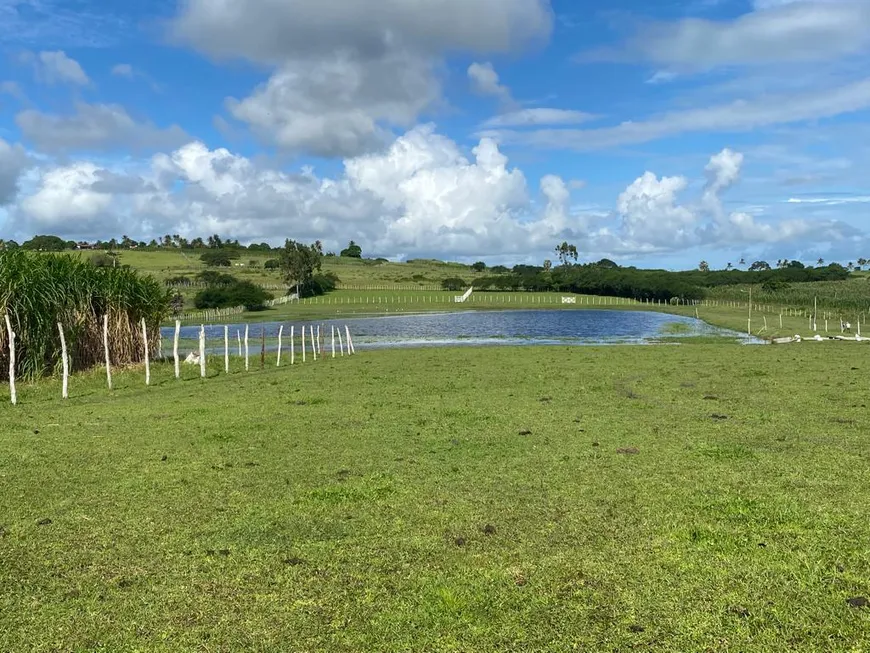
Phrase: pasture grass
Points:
(165, 264)
(672, 498)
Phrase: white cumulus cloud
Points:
(347, 73)
(56, 67)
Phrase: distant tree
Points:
(215, 242)
(548, 264)
(820, 262)
(272, 264)
(862, 262)
(216, 259)
(850, 266)
(177, 304)
(741, 262)
(45, 244)
(480, 266)
(239, 293)
(153, 243)
(197, 243)
(166, 241)
(703, 266)
(453, 284)
(499, 269)
(253, 263)
(759, 266)
(606, 263)
(126, 242)
(299, 262)
(795, 265)
(113, 243)
(566, 253)
(729, 267)
(351, 251)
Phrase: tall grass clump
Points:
(38, 291)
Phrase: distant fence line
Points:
(211, 314)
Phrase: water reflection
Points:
(523, 327)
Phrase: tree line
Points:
(607, 278)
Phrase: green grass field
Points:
(696, 498)
(165, 264)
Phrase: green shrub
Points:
(239, 293)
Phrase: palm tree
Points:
(741, 262)
(820, 262)
(729, 266)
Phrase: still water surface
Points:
(529, 327)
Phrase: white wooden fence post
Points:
(247, 350)
(65, 361)
(340, 343)
(292, 345)
(333, 341)
(313, 342)
(319, 350)
(147, 355)
(106, 348)
(226, 349)
(239, 338)
(350, 349)
(202, 350)
(303, 343)
(175, 349)
(11, 335)
(280, 334)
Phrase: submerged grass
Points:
(543, 498)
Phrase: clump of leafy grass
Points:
(40, 291)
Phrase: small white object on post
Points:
(175, 349)
(202, 350)
(147, 354)
(64, 361)
(10, 334)
(106, 348)
(280, 335)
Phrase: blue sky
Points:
(656, 134)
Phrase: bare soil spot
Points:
(719, 417)
(459, 541)
(45, 521)
(858, 602)
(636, 628)
(489, 529)
(293, 561)
(739, 610)
(525, 432)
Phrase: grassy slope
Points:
(166, 264)
(344, 505)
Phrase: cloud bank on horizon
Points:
(463, 129)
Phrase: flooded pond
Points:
(522, 327)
